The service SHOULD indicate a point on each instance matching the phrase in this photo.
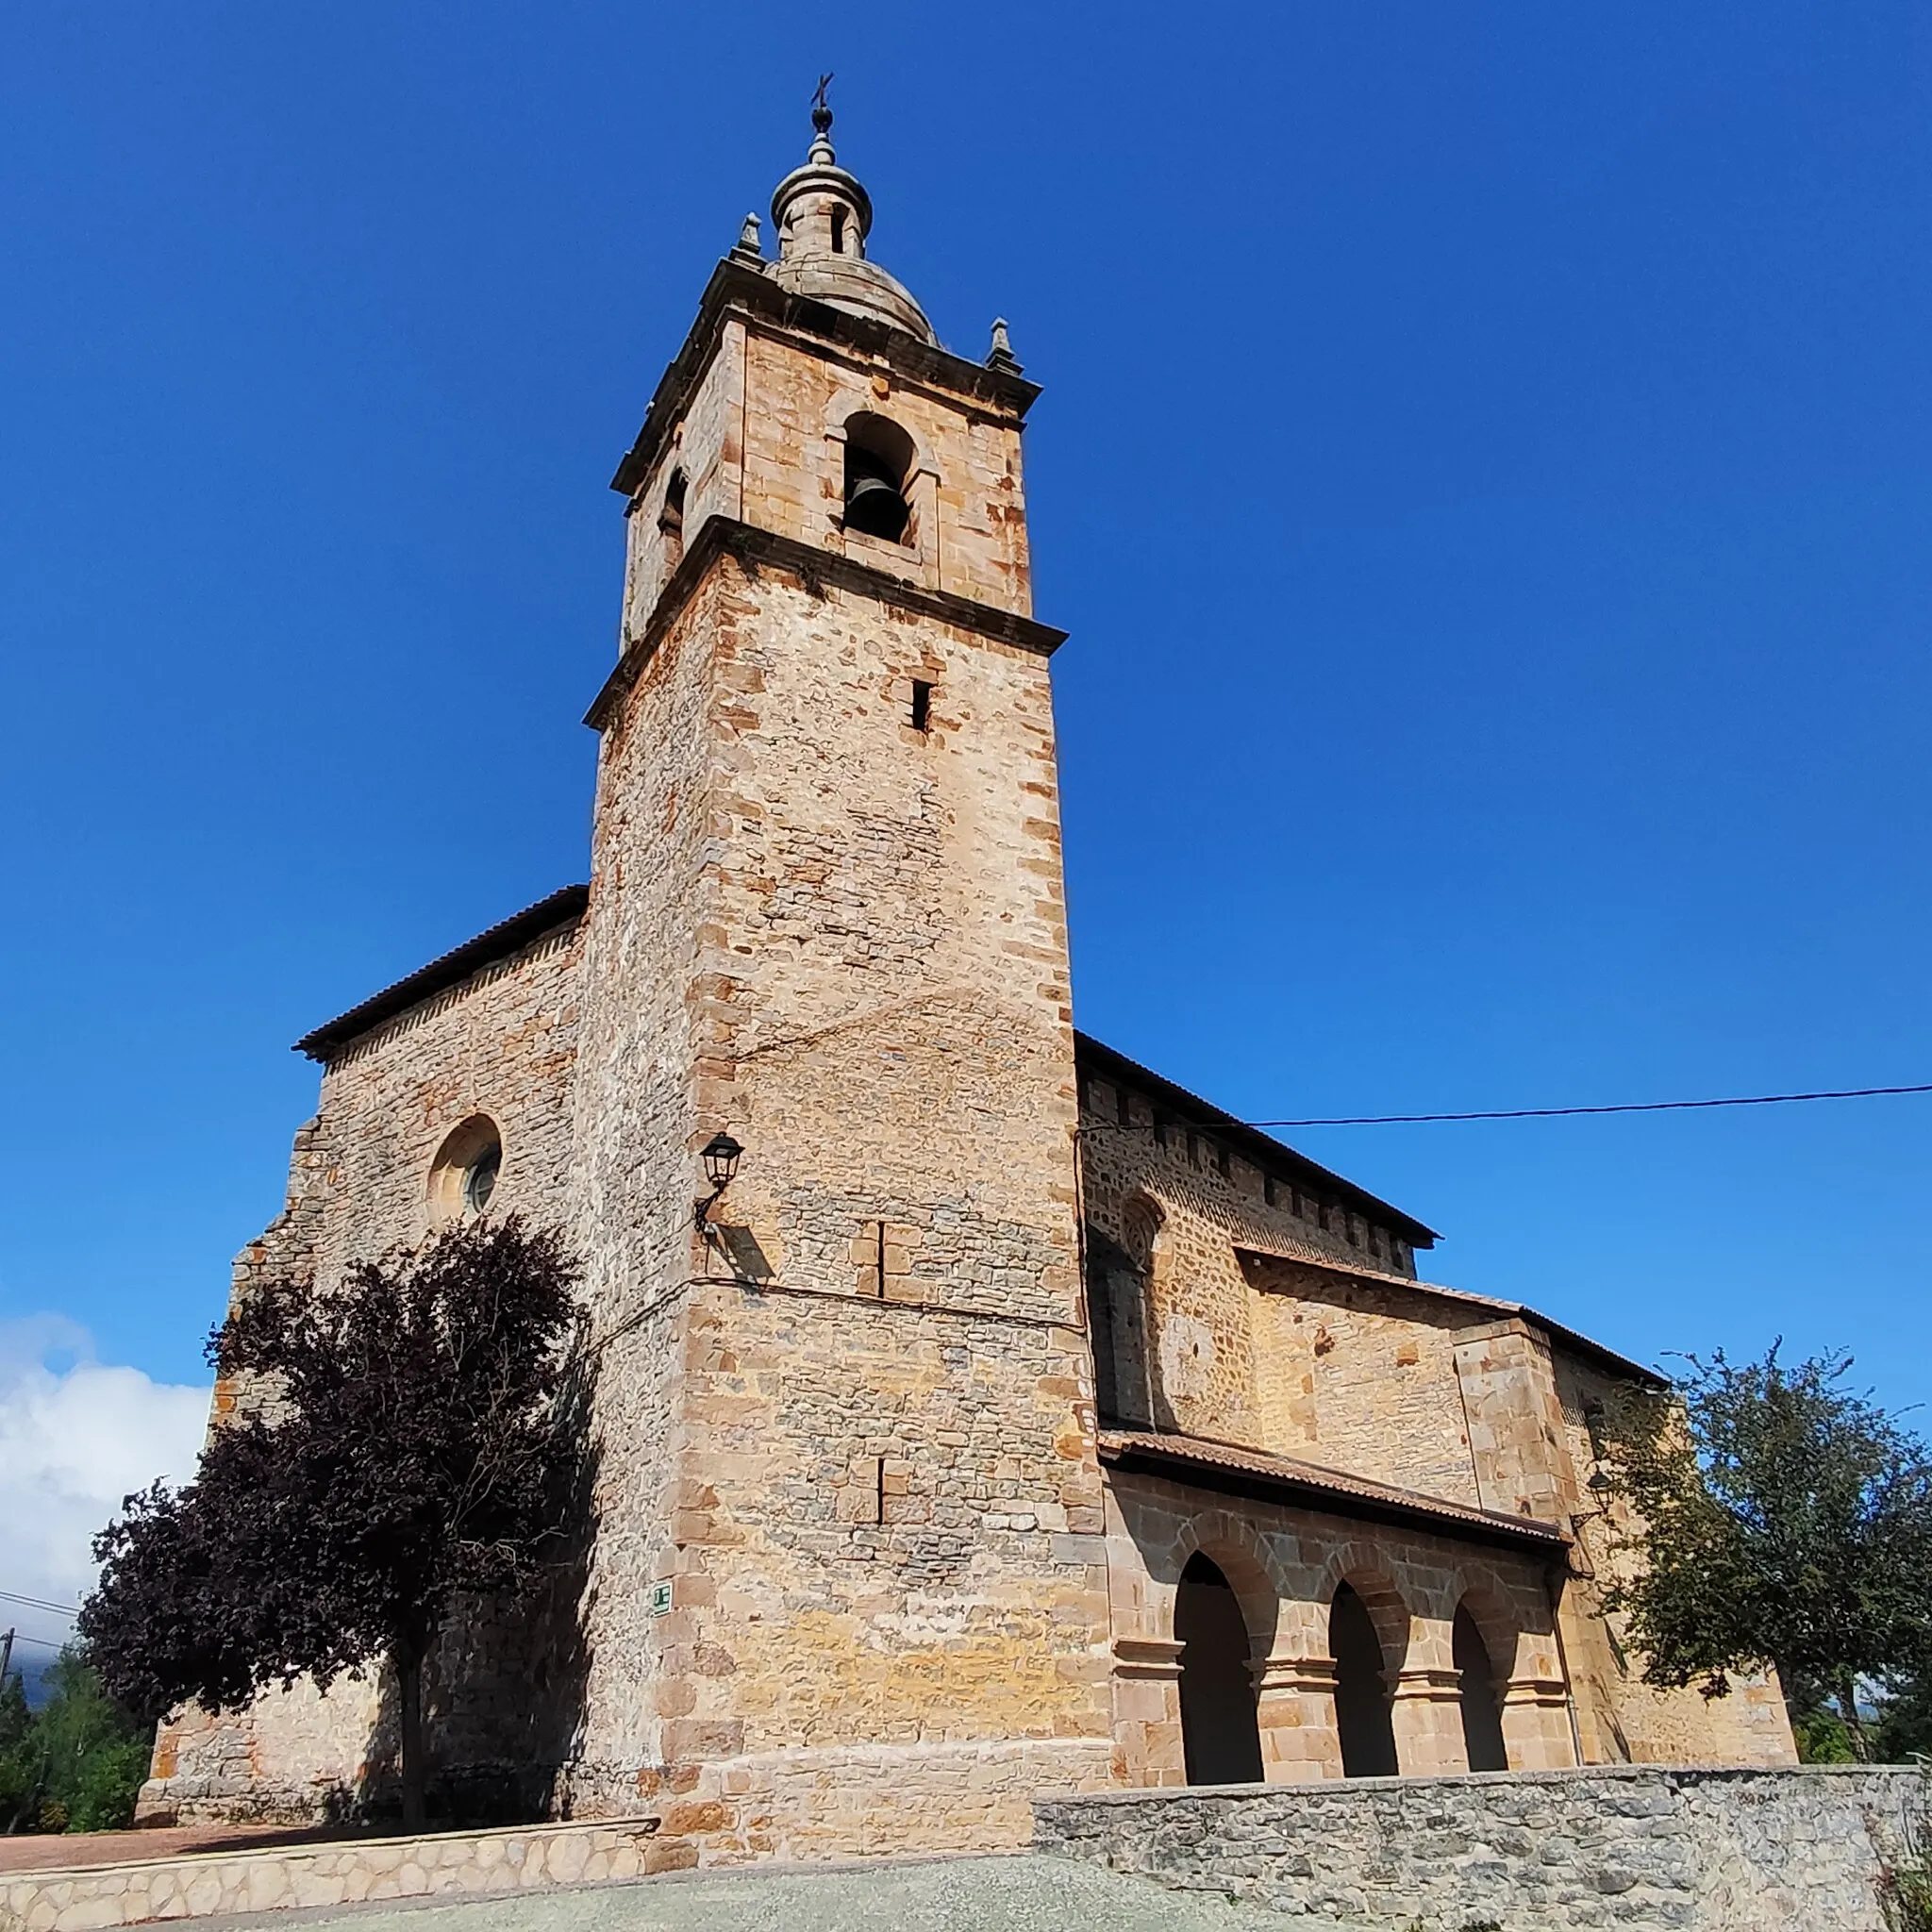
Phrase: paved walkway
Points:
(1017, 1893)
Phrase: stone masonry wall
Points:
(637, 1130)
(967, 533)
(881, 1527)
(1624, 1717)
(1215, 1365)
(1361, 1374)
(1700, 1850)
(761, 440)
(500, 1044)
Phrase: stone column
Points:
(1426, 1715)
(1536, 1724)
(1147, 1709)
(1294, 1705)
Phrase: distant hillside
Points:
(32, 1664)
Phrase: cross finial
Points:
(820, 109)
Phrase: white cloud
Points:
(77, 1435)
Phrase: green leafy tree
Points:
(1775, 1516)
(1904, 1727)
(96, 1751)
(23, 1776)
(76, 1765)
(399, 1448)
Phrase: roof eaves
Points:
(562, 907)
(1188, 1106)
(1205, 1459)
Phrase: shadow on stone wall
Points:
(503, 1692)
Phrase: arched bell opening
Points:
(671, 518)
(1220, 1734)
(879, 460)
(1361, 1690)
(1482, 1717)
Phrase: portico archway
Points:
(1482, 1717)
(1362, 1688)
(1220, 1736)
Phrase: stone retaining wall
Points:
(1638, 1846)
(453, 1864)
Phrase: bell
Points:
(877, 509)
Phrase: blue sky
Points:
(1486, 468)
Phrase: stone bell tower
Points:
(847, 1590)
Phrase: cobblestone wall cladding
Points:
(1702, 1850)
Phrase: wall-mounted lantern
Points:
(719, 1155)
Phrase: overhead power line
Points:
(36, 1603)
(1536, 1113)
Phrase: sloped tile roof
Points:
(1192, 1457)
(562, 907)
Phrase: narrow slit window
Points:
(838, 231)
(921, 705)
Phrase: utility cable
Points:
(1523, 1113)
(36, 1603)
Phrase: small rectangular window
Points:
(1124, 1105)
(1268, 1188)
(921, 705)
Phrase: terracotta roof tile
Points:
(561, 907)
(1330, 1488)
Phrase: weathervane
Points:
(821, 111)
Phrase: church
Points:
(975, 1412)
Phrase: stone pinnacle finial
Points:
(1000, 355)
(748, 248)
(821, 125)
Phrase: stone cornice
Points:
(737, 288)
(759, 549)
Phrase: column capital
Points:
(1158, 1657)
(1313, 1673)
(1543, 1691)
(1425, 1683)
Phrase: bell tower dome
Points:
(824, 215)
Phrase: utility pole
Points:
(6, 1655)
